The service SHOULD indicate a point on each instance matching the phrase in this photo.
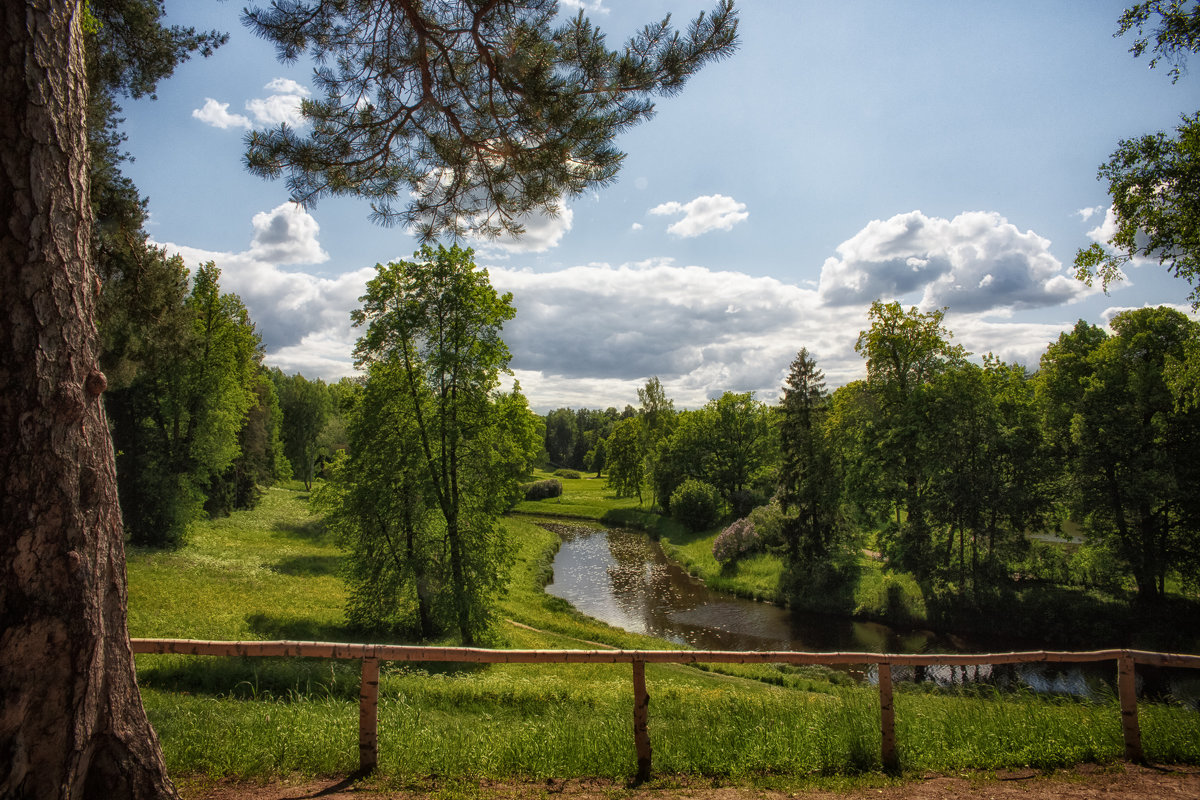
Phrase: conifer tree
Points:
(463, 115)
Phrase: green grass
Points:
(271, 573)
(586, 498)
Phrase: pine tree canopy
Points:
(465, 116)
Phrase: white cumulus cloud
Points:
(594, 6)
(217, 114)
(590, 335)
(287, 234)
(975, 262)
(281, 106)
(706, 213)
(304, 319)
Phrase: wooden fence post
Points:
(1127, 690)
(641, 706)
(887, 719)
(368, 716)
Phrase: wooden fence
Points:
(372, 654)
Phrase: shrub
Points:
(540, 490)
(696, 504)
(570, 474)
(736, 540)
(1097, 566)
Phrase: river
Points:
(625, 579)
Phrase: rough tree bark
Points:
(71, 720)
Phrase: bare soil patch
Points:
(1119, 782)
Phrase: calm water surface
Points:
(623, 578)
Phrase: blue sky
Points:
(939, 153)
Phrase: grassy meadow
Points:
(273, 573)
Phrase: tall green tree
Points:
(460, 115)
(437, 320)
(905, 351)
(307, 408)
(992, 476)
(809, 482)
(562, 431)
(260, 461)
(380, 506)
(624, 458)
(741, 446)
(1130, 448)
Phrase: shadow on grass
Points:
(298, 629)
(310, 531)
(308, 566)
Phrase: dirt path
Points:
(1119, 782)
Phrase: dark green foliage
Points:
(308, 407)
(905, 351)
(541, 490)
(569, 474)
(466, 115)
(728, 443)
(696, 504)
(146, 324)
(1129, 446)
(185, 376)
(561, 434)
(624, 458)
(809, 482)
(260, 460)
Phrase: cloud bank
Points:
(591, 334)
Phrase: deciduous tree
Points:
(1130, 448)
(905, 350)
(1154, 182)
(437, 320)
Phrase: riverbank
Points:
(1029, 614)
(272, 573)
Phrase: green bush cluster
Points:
(541, 490)
(696, 504)
(570, 474)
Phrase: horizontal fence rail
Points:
(372, 654)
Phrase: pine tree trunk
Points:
(71, 721)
